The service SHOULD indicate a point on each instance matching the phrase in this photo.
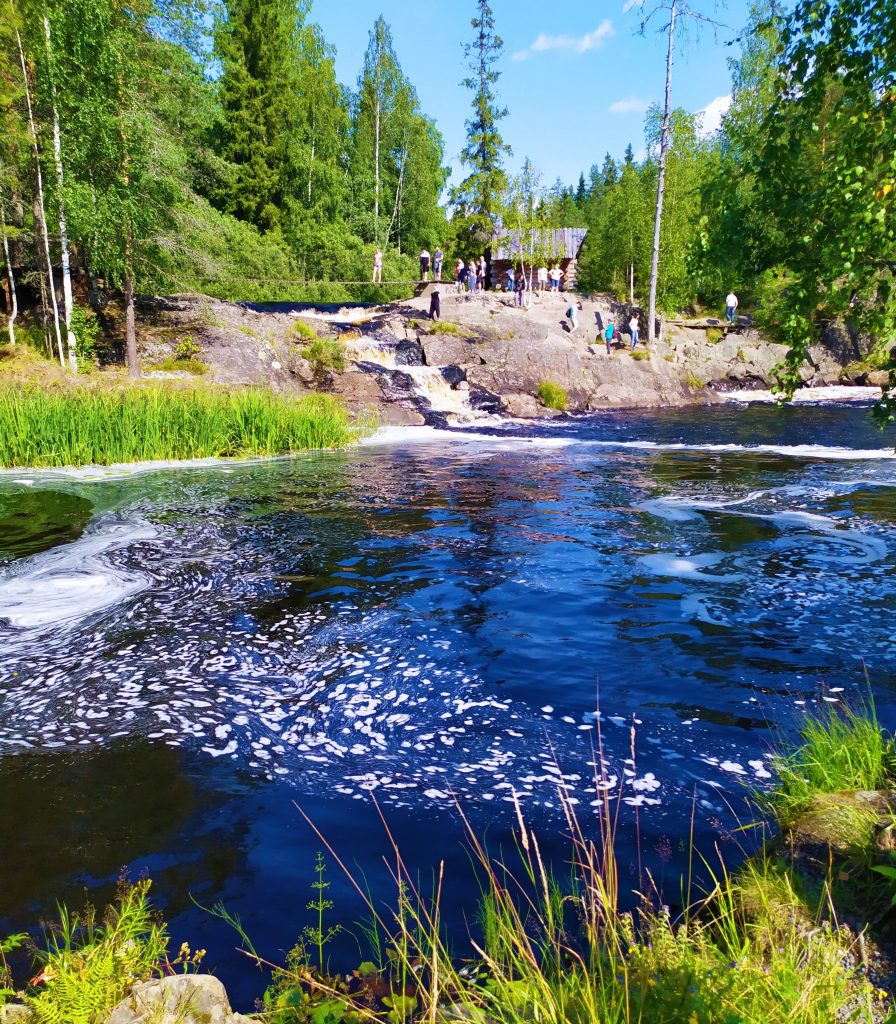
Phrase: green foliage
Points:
(694, 382)
(88, 965)
(552, 395)
(186, 348)
(304, 331)
(840, 751)
(9, 945)
(714, 335)
(89, 427)
(325, 354)
(86, 328)
(640, 355)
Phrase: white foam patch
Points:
(421, 435)
(808, 396)
(690, 568)
(74, 581)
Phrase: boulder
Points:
(181, 999)
(446, 350)
(16, 1013)
(522, 406)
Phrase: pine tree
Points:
(581, 192)
(629, 156)
(477, 199)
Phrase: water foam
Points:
(69, 583)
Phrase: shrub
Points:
(302, 330)
(714, 335)
(325, 354)
(187, 348)
(552, 395)
(86, 328)
(640, 354)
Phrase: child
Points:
(609, 333)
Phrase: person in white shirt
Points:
(542, 278)
(378, 265)
(424, 264)
(730, 307)
(634, 326)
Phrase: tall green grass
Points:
(81, 426)
(840, 751)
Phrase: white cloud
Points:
(631, 4)
(709, 119)
(571, 44)
(633, 105)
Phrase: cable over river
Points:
(434, 616)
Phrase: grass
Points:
(40, 427)
(694, 382)
(714, 335)
(176, 364)
(640, 354)
(446, 327)
(840, 751)
(552, 395)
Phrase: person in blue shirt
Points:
(609, 334)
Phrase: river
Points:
(186, 653)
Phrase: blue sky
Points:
(576, 79)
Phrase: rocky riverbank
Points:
(485, 356)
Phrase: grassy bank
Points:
(766, 944)
(75, 426)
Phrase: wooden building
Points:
(555, 245)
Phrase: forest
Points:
(166, 146)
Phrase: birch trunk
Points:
(40, 206)
(376, 171)
(63, 229)
(661, 180)
(311, 161)
(130, 326)
(13, 307)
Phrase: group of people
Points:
(609, 330)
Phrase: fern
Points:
(89, 966)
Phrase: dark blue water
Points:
(432, 617)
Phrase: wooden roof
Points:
(562, 243)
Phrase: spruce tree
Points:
(478, 198)
(258, 49)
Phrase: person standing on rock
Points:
(519, 288)
(437, 258)
(378, 266)
(424, 264)
(556, 277)
(480, 277)
(471, 276)
(542, 278)
(634, 327)
(730, 307)
(609, 334)
(572, 315)
(459, 276)
(435, 305)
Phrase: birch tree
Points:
(679, 12)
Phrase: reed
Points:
(83, 426)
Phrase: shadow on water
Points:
(36, 520)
